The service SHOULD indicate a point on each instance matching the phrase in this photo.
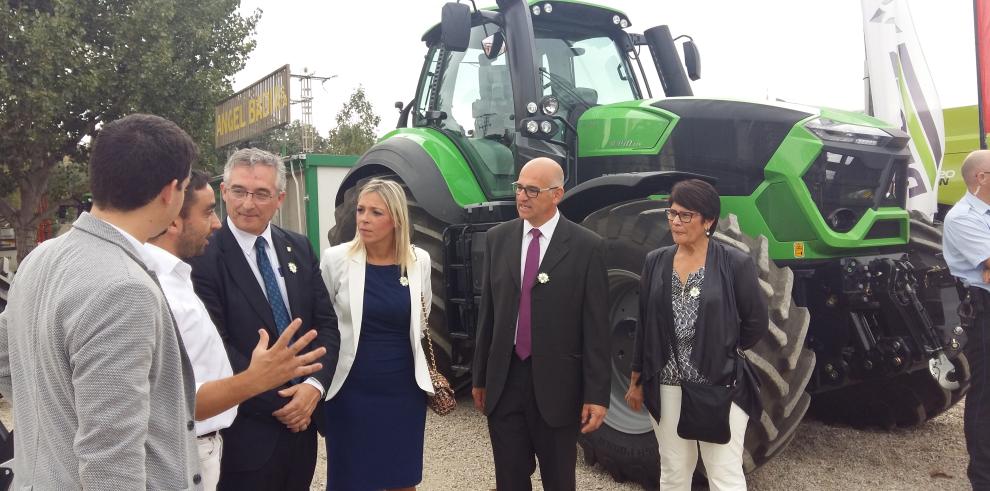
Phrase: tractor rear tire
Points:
(427, 234)
(625, 445)
(907, 399)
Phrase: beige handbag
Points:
(442, 401)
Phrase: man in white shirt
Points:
(218, 390)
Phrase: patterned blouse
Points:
(685, 300)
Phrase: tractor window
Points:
(582, 70)
(475, 93)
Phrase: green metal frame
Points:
(310, 163)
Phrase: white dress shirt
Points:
(130, 238)
(246, 242)
(200, 337)
(546, 233)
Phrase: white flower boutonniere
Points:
(293, 268)
(694, 292)
(403, 281)
(543, 278)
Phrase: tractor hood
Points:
(828, 179)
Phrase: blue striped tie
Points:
(271, 286)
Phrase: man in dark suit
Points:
(256, 275)
(541, 367)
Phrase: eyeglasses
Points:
(260, 196)
(685, 216)
(531, 191)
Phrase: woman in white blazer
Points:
(376, 409)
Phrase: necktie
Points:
(524, 339)
(279, 312)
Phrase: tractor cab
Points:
(505, 94)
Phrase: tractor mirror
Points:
(455, 26)
(494, 45)
(692, 60)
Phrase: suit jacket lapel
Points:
(558, 246)
(240, 271)
(291, 278)
(355, 285)
(515, 250)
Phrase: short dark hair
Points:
(197, 180)
(134, 157)
(700, 196)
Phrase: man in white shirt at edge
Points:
(218, 390)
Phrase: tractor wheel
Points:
(912, 398)
(427, 234)
(625, 445)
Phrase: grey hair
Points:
(250, 157)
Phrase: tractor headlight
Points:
(836, 131)
(531, 107)
(616, 19)
(532, 127)
(547, 8)
(536, 10)
(624, 23)
(547, 127)
(549, 105)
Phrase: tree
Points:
(68, 66)
(356, 124)
(287, 140)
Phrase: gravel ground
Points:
(821, 457)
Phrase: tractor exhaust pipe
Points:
(672, 76)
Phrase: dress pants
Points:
(210, 453)
(976, 417)
(518, 432)
(290, 468)
(679, 457)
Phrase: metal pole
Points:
(979, 76)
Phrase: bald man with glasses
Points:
(541, 367)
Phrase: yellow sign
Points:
(799, 249)
(254, 110)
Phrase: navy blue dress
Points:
(375, 423)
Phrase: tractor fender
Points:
(594, 194)
(418, 170)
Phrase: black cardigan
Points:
(732, 311)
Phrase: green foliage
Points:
(356, 124)
(68, 66)
(287, 140)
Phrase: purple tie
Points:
(524, 339)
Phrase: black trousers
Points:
(976, 418)
(290, 468)
(518, 433)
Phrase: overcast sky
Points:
(797, 50)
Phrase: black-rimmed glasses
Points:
(684, 216)
(531, 191)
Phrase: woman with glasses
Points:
(376, 405)
(701, 305)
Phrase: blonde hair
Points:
(394, 197)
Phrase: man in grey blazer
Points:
(102, 389)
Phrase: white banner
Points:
(903, 94)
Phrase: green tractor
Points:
(855, 285)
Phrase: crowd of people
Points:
(156, 347)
